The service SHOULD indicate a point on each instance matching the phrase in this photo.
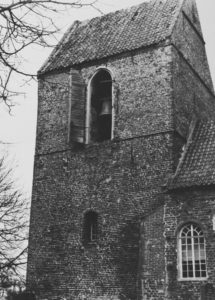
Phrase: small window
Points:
(90, 230)
(192, 253)
(100, 108)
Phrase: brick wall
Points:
(53, 113)
(143, 94)
(153, 271)
(142, 81)
(188, 39)
(156, 91)
(192, 205)
(118, 180)
(192, 84)
(193, 98)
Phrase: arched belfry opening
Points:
(100, 107)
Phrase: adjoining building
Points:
(123, 202)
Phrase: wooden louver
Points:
(77, 107)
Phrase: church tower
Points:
(116, 101)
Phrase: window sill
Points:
(192, 279)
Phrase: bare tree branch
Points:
(24, 23)
(13, 229)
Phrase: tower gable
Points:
(188, 39)
(192, 84)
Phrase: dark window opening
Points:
(101, 106)
(90, 230)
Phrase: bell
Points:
(106, 107)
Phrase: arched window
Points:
(99, 112)
(90, 230)
(192, 254)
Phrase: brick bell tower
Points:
(116, 98)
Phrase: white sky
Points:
(19, 129)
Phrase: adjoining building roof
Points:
(125, 30)
(197, 165)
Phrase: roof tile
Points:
(197, 165)
(114, 33)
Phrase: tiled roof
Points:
(197, 165)
(129, 29)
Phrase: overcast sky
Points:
(19, 129)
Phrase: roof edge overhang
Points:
(189, 188)
(163, 43)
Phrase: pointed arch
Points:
(99, 111)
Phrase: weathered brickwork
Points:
(192, 83)
(143, 91)
(152, 278)
(53, 107)
(145, 75)
(188, 39)
(121, 183)
(192, 99)
(183, 207)
(157, 92)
